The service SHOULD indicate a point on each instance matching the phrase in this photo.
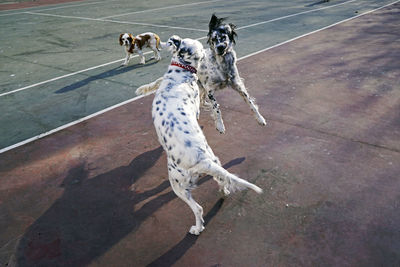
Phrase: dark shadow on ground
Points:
(317, 3)
(93, 214)
(104, 75)
(175, 253)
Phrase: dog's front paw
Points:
(142, 62)
(220, 127)
(194, 230)
(139, 91)
(261, 120)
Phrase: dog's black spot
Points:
(157, 109)
(177, 71)
(158, 102)
(173, 159)
(185, 122)
(165, 140)
(163, 123)
(172, 124)
(169, 71)
(161, 113)
(170, 148)
(178, 161)
(186, 132)
(188, 143)
(176, 180)
(183, 113)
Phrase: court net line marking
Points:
(161, 8)
(92, 3)
(115, 61)
(139, 97)
(115, 21)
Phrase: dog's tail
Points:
(159, 44)
(149, 88)
(233, 182)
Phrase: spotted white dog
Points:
(137, 43)
(217, 71)
(175, 113)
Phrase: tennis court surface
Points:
(83, 178)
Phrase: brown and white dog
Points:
(137, 43)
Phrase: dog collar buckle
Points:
(186, 67)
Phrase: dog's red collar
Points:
(186, 67)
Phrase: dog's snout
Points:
(220, 49)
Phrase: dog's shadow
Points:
(104, 75)
(94, 214)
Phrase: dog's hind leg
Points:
(238, 86)
(182, 189)
(157, 55)
(216, 113)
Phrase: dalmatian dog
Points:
(175, 111)
(217, 71)
(138, 43)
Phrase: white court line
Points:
(139, 97)
(160, 8)
(295, 14)
(52, 8)
(115, 21)
(109, 63)
(324, 28)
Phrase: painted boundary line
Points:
(161, 8)
(295, 14)
(51, 8)
(114, 21)
(112, 62)
(139, 97)
(92, 3)
(324, 28)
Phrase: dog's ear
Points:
(233, 34)
(131, 38)
(176, 41)
(214, 23)
(120, 39)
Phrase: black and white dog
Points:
(175, 113)
(217, 70)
